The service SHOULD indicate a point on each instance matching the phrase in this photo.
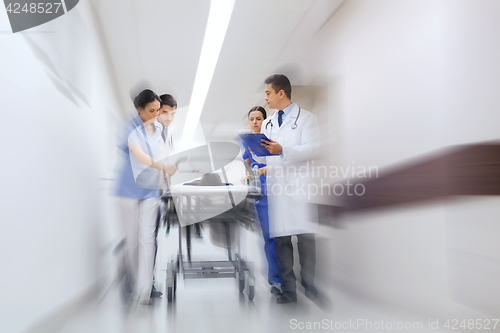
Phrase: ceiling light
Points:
(218, 21)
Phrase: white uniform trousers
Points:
(139, 219)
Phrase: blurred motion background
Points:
(409, 87)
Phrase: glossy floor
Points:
(216, 305)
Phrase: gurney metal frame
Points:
(235, 267)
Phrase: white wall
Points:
(406, 78)
(59, 112)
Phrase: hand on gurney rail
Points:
(244, 179)
(262, 171)
(169, 169)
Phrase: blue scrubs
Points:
(126, 185)
(261, 206)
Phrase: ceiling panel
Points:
(154, 41)
(159, 42)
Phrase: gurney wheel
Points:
(170, 294)
(251, 292)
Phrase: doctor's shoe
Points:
(276, 288)
(144, 299)
(311, 293)
(287, 297)
(155, 293)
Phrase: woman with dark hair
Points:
(142, 150)
(256, 117)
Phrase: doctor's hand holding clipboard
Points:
(255, 142)
(273, 147)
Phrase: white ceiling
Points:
(157, 44)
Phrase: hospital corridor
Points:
(250, 166)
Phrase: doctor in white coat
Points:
(295, 137)
(168, 109)
(166, 115)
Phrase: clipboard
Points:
(253, 140)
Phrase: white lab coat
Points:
(289, 175)
(170, 140)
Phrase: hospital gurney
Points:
(188, 205)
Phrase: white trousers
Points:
(139, 219)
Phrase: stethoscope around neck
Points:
(294, 126)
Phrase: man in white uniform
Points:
(295, 138)
(166, 115)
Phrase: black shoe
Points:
(311, 293)
(286, 297)
(155, 293)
